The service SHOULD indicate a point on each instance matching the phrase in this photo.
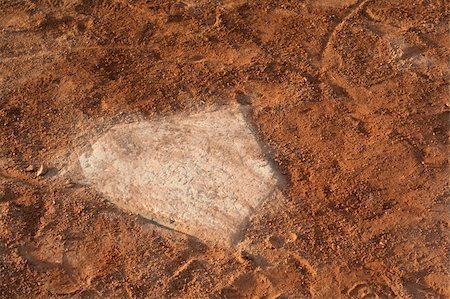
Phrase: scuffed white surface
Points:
(201, 174)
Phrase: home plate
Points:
(202, 174)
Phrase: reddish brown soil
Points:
(352, 97)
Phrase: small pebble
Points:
(29, 168)
(293, 237)
(41, 171)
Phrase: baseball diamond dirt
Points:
(224, 149)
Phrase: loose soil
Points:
(350, 96)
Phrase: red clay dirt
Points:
(351, 96)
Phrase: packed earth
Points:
(348, 101)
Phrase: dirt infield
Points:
(351, 98)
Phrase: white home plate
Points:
(202, 174)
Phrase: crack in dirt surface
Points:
(350, 96)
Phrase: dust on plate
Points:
(202, 174)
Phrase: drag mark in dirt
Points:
(352, 11)
(47, 52)
(17, 179)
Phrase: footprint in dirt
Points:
(362, 291)
(249, 285)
